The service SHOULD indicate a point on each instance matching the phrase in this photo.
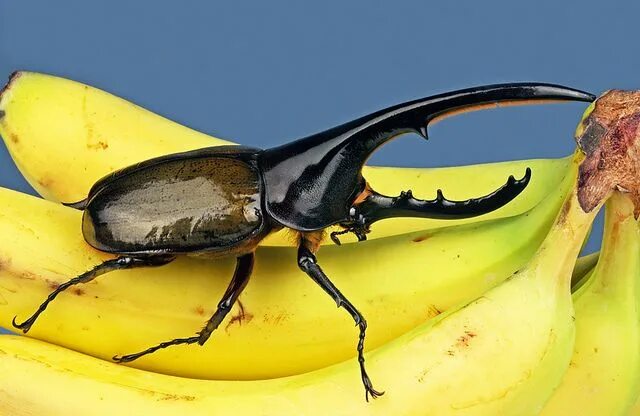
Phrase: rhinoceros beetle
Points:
(223, 200)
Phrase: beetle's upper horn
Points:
(309, 175)
(366, 133)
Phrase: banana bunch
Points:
(503, 353)
(470, 317)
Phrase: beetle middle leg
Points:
(244, 267)
(119, 263)
(308, 264)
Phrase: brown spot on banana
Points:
(176, 397)
(421, 238)
(241, 317)
(433, 311)
(199, 310)
(100, 145)
(26, 275)
(45, 182)
(5, 263)
(566, 207)
(463, 340)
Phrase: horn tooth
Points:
(404, 195)
(440, 196)
(422, 131)
(527, 176)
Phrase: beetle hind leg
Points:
(244, 267)
(119, 263)
(307, 263)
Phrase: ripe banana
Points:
(64, 136)
(635, 408)
(283, 323)
(501, 354)
(604, 375)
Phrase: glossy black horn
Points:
(310, 183)
(377, 207)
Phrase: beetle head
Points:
(316, 181)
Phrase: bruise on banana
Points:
(609, 136)
(224, 200)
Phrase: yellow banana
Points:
(501, 354)
(283, 323)
(604, 375)
(635, 408)
(64, 136)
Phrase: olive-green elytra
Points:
(182, 206)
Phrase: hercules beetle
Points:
(223, 200)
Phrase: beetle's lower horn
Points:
(377, 207)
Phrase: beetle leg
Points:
(377, 207)
(335, 234)
(307, 262)
(119, 263)
(244, 267)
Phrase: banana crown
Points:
(609, 139)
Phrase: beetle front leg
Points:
(244, 267)
(119, 263)
(307, 262)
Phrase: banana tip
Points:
(14, 76)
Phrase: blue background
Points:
(261, 73)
